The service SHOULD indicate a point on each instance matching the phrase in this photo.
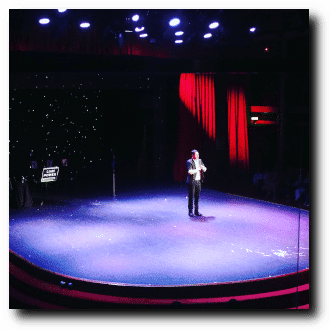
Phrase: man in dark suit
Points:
(195, 168)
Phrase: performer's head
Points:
(194, 154)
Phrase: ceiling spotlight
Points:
(253, 29)
(61, 10)
(137, 29)
(85, 25)
(144, 35)
(179, 33)
(44, 21)
(174, 22)
(213, 25)
(207, 35)
(135, 18)
(178, 41)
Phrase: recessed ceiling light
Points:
(135, 18)
(85, 25)
(213, 25)
(174, 22)
(44, 21)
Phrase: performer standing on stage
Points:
(195, 168)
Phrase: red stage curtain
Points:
(237, 127)
(196, 117)
(91, 41)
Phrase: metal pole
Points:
(113, 175)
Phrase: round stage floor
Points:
(145, 237)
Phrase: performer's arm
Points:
(203, 167)
(190, 170)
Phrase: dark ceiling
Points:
(280, 34)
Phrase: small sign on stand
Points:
(49, 174)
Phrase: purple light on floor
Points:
(146, 237)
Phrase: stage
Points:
(144, 238)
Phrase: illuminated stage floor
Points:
(145, 237)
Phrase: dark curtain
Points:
(196, 118)
(74, 40)
(237, 127)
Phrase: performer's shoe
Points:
(198, 214)
(191, 214)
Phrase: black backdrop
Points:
(88, 118)
(128, 132)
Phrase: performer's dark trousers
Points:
(194, 192)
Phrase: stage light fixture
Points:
(135, 18)
(178, 41)
(213, 25)
(143, 35)
(174, 22)
(179, 33)
(44, 21)
(85, 25)
(207, 35)
(139, 29)
(253, 29)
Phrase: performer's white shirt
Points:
(198, 168)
